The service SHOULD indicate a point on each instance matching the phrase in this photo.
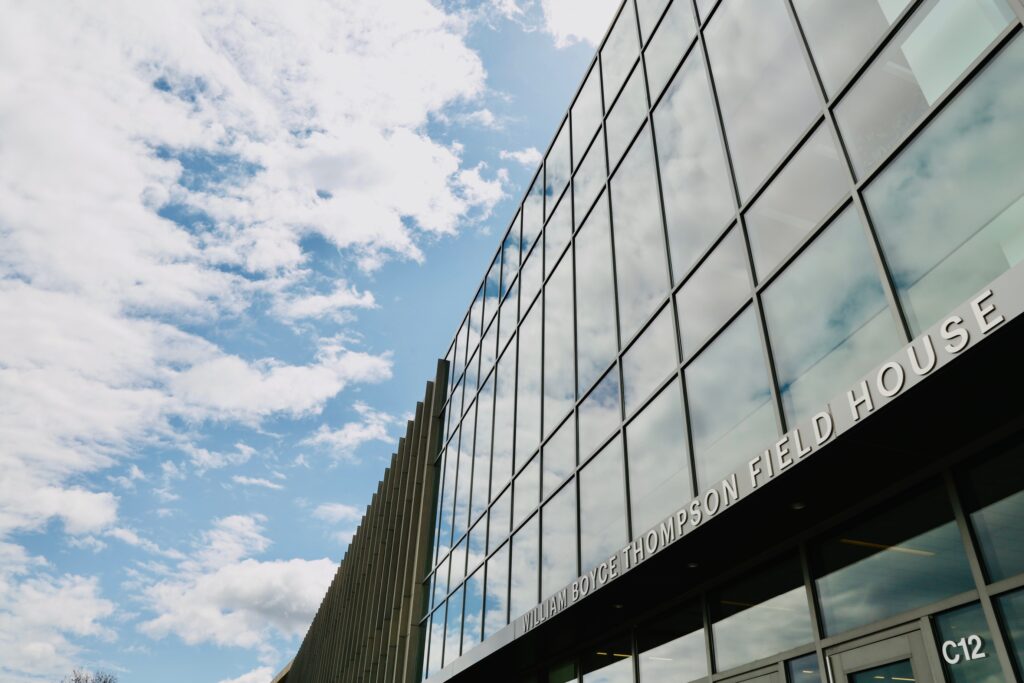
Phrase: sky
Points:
(235, 236)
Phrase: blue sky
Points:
(218, 224)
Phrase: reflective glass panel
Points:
(526, 492)
(993, 494)
(492, 290)
(441, 582)
(803, 669)
(589, 179)
(949, 210)
(640, 264)
(672, 648)
(528, 401)
(927, 56)
(1011, 607)
(496, 605)
(586, 115)
(472, 370)
(530, 277)
(650, 11)
(695, 181)
(828, 319)
(713, 293)
(500, 519)
(476, 551)
(533, 213)
(704, 8)
(765, 89)
(508, 317)
(731, 411)
(674, 36)
(650, 359)
(760, 615)
(525, 567)
(436, 641)
(473, 617)
(465, 481)
(887, 673)
(599, 413)
(457, 564)
(558, 567)
(510, 255)
(619, 52)
(659, 466)
(602, 506)
(482, 452)
(557, 167)
(460, 355)
(559, 456)
(971, 658)
(504, 420)
(797, 200)
(626, 116)
(608, 662)
(842, 32)
(905, 557)
(595, 298)
(489, 349)
(559, 349)
(451, 465)
(453, 628)
(557, 233)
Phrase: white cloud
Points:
(338, 512)
(529, 157)
(263, 674)
(335, 304)
(203, 459)
(343, 443)
(573, 21)
(255, 481)
(484, 118)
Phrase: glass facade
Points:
(747, 205)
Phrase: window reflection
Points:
(525, 567)
(640, 267)
(489, 349)
(473, 617)
(528, 396)
(589, 179)
(500, 519)
(559, 349)
(496, 605)
(482, 452)
(649, 360)
(1012, 608)
(704, 8)
(659, 465)
(602, 506)
(504, 420)
(965, 622)
(928, 54)
(453, 628)
(436, 636)
(595, 298)
(619, 52)
(608, 662)
(828, 319)
(558, 567)
(797, 200)
(508, 317)
(447, 503)
(457, 564)
(510, 255)
(695, 181)
(731, 411)
(803, 669)
(672, 648)
(557, 167)
(557, 234)
(949, 210)
(492, 290)
(586, 116)
(765, 89)
(673, 38)
(650, 11)
(465, 475)
(993, 494)
(626, 116)
(559, 456)
(533, 213)
(599, 413)
(441, 582)
(526, 492)
(476, 549)
(760, 615)
(713, 293)
(530, 277)
(907, 556)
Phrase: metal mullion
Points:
(656, 100)
(978, 573)
(817, 626)
(1006, 585)
(709, 638)
(740, 310)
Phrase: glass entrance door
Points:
(885, 658)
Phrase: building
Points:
(739, 396)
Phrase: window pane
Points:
(586, 115)
(500, 519)
(672, 648)
(559, 456)
(608, 662)
(695, 181)
(441, 582)
(488, 349)
(557, 167)
(994, 496)
(525, 556)
(760, 615)
(602, 506)
(559, 349)
(599, 413)
(482, 453)
(928, 54)
(559, 564)
(730, 401)
(810, 185)
(457, 564)
(533, 213)
(531, 277)
(496, 609)
(719, 287)
(649, 360)
(626, 116)
(639, 239)
(504, 420)
(767, 95)
(619, 52)
(526, 492)
(476, 550)
(659, 465)
(436, 641)
(704, 8)
(557, 234)
(828, 319)
(666, 48)
(492, 290)
(595, 298)
(968, 623)
(949, 210)
(465, 476)
(453, 627)
(650, 11)
(907, 556)
(803, 669)
(473, 619)
(902, 670)
(508, 317)
(528, 395)
(510, 255)
(1012, 608)
(451, 465)
(589, 179)
(841, 33)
